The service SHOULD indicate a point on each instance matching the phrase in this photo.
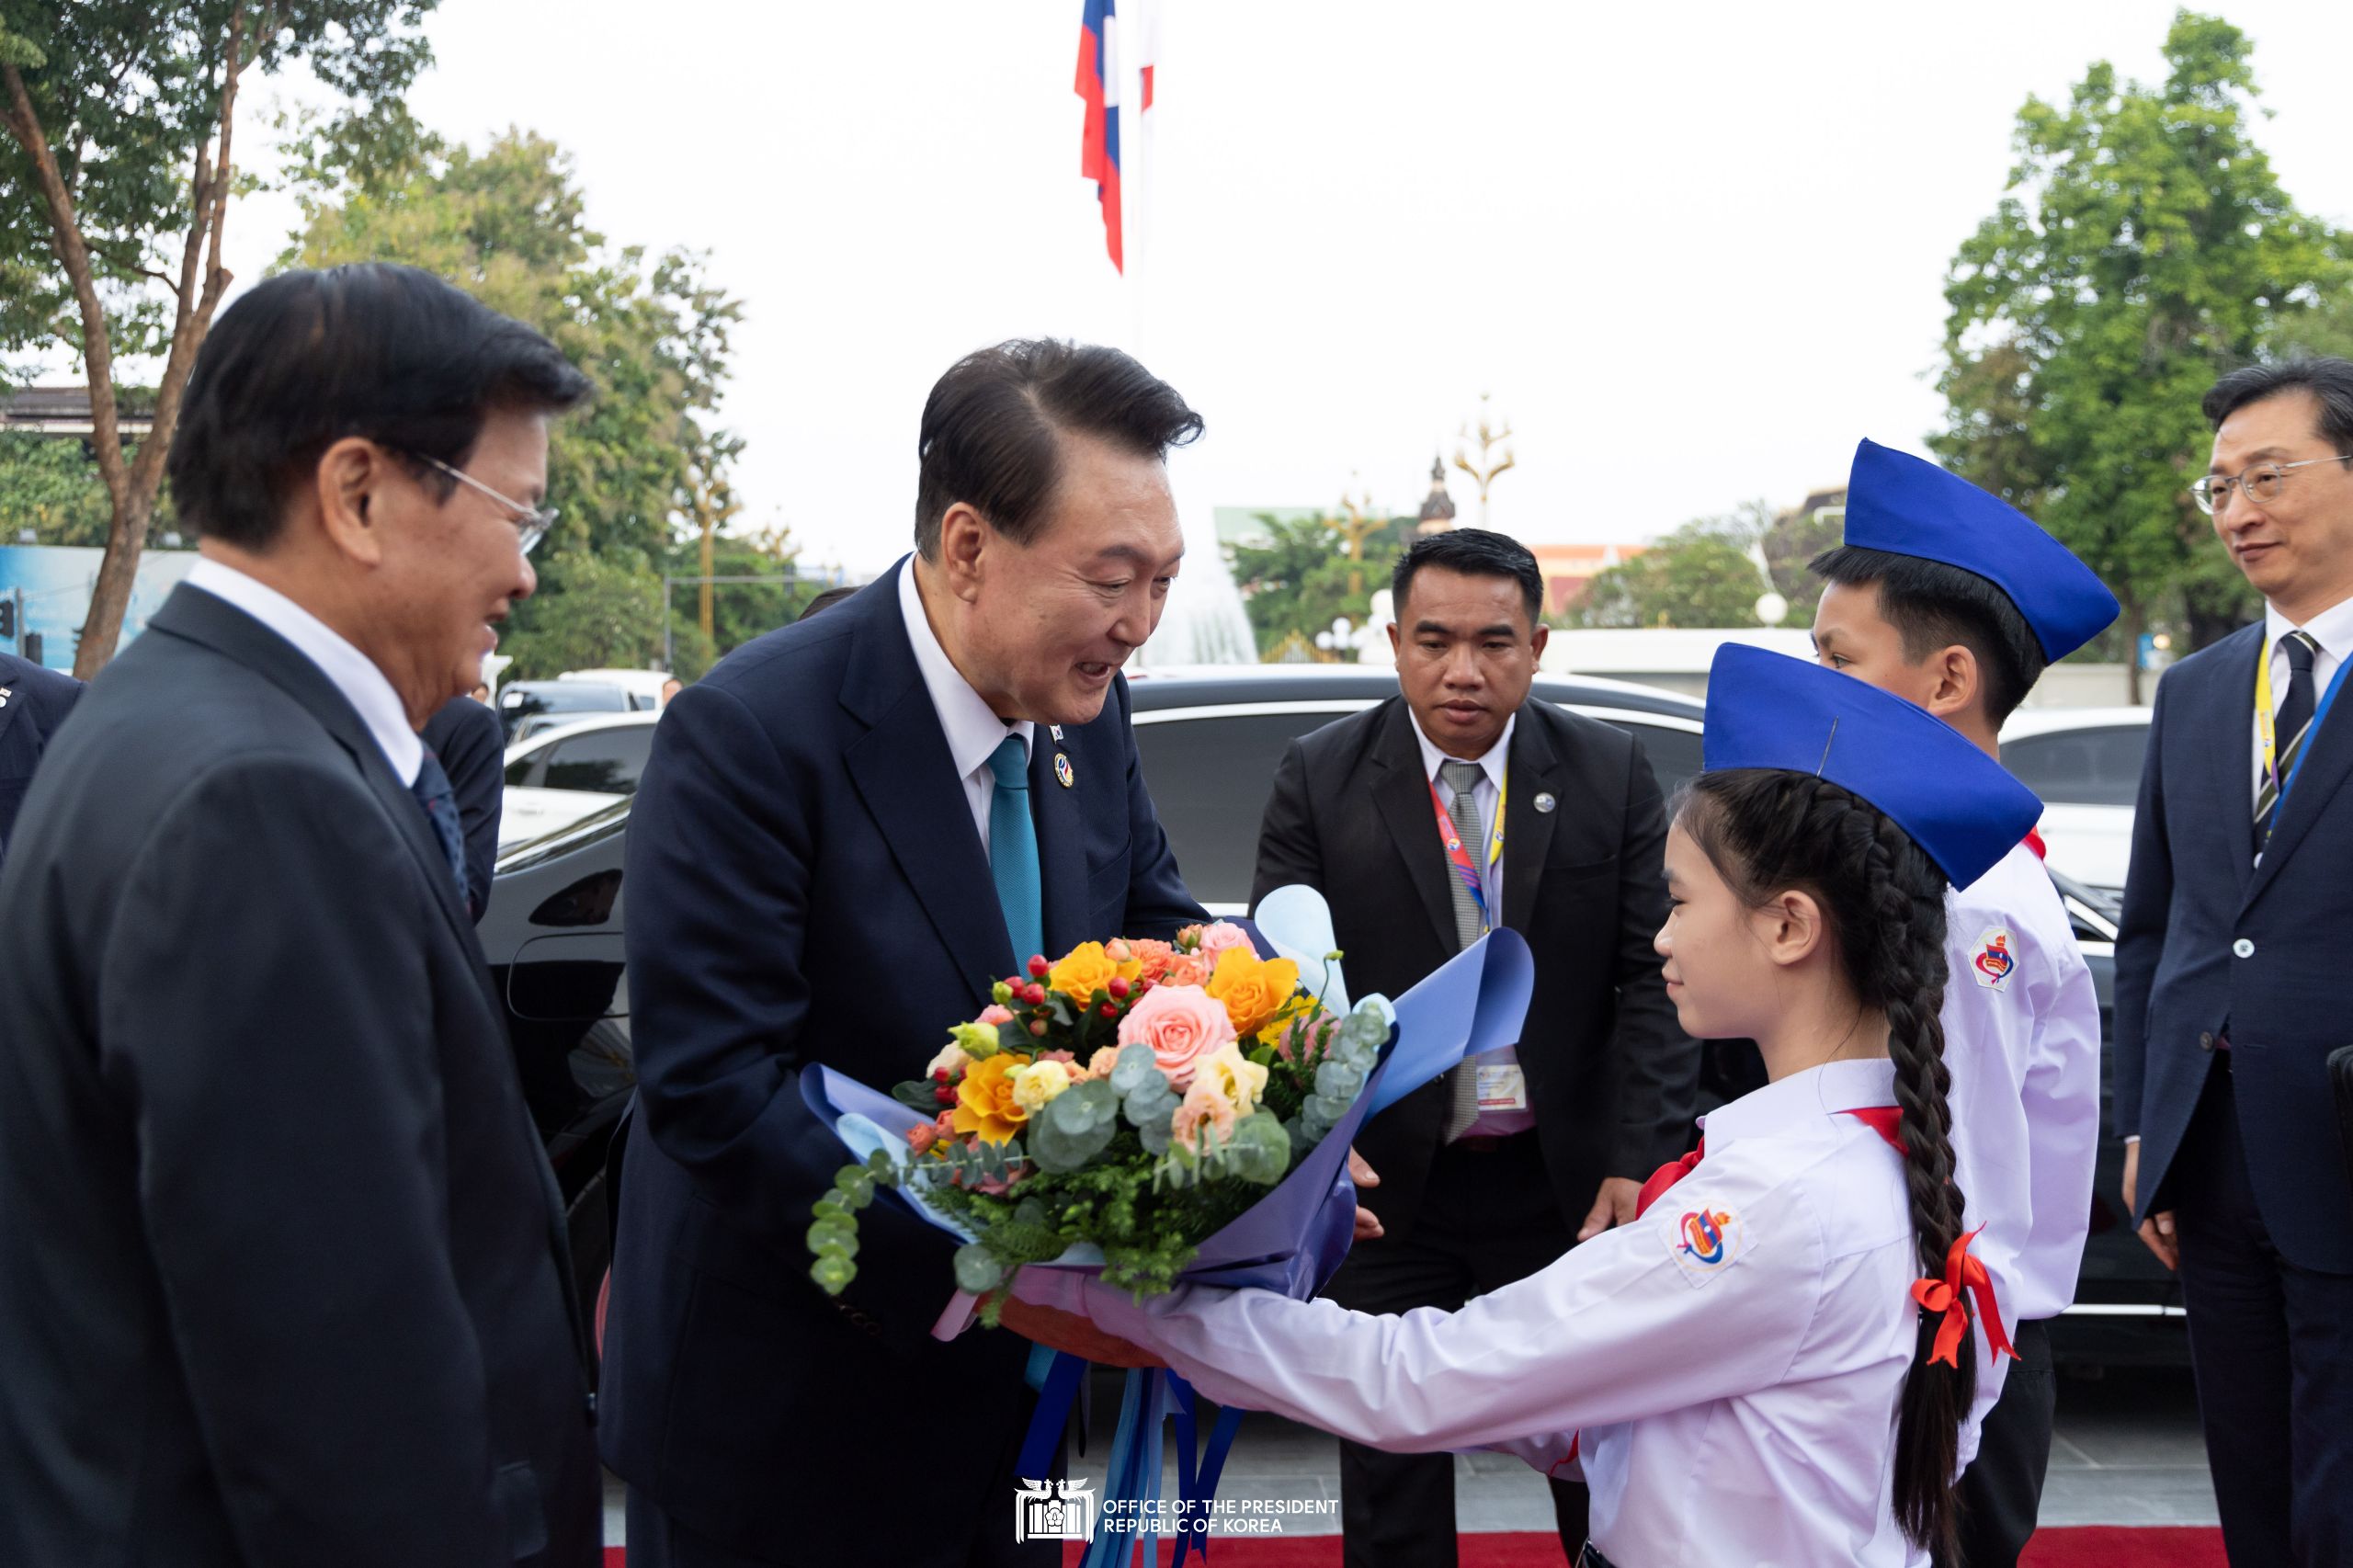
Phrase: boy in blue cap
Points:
(1948, 597)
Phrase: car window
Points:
(1209, 779)
(518, 772)
(1674, 754)
(2081, 768)
(607, 761)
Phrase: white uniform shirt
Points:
(2022, 1041)
(1735, 1405)
(973, 730)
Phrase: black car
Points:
(1210, 739)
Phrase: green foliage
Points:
(507, 223)
(592, 612)
(2144, 246)
(740, 611)
(50, 484)
(1699, 576)
(1303, 579)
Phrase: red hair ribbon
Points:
(1964, 1275)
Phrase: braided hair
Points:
(1766, 831)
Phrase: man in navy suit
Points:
(2231, 986)
(33, 702)
(848, 831)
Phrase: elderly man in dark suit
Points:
(849, 830)
(2231, 987)
(282, 1269)
(1495, 1171)
(33, 702)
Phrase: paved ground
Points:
(2127, 1452)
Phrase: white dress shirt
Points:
(1732, 1405)
(354, 673)
(972, 728)
(2333, 629)
(2022, 1041)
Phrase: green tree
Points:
(51, 485)
(740, 611)
(1699, 576)
(593, 612)
(1303, 579)
(120, 117)
(2142, 246)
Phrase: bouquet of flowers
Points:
(1115, 1107)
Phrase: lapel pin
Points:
(1545, 802)
(1063, 772)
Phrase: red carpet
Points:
(2091, 1546)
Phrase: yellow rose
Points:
(1035, 1084)
(1232, 1077)
(1087, 968)
(1256, 991)
(984, 1102)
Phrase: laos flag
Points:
(1098, 84)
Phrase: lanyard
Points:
(2263, 723)
(1461, 857)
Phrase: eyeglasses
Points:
(531, 523)
(2261, 482)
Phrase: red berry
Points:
(944, 1095)
(940, 1075)
(1108, 1011)
(1033, 994)
(1039, 966)
(1038, 1028)
(1118, 988)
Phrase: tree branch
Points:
(66, 236)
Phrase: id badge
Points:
(1502, 1087)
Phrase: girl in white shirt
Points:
(1774, 1363)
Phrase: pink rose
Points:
(1179, 1025)
(1154, 958)
(994, 1015)
(1220, 935)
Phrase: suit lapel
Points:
(1061, 856)
(1400, 792)
(1533, 767)
(12, 702)
(203, 617)
(2328, 757)
(909, 783)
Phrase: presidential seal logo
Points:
(1054, 1510)
(1704, 1242)
(1993, 963)
(1062, 770)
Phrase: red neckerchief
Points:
(2033, 841)
(1880, 1119)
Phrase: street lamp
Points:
(1771, 608)
(1337, 638)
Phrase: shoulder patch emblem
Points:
(1994, 958)
(1704, 1242)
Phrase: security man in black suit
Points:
(1497, 1169)
(283, 1274)
(33, 701)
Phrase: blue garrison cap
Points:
(1766, 710)
(1908, 506)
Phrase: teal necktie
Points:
(1012, 851)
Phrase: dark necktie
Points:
(1461, 781)
(2289, 732)
(433, 792)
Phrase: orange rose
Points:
(984, 1102)
(1256, 991)
(1087, 968)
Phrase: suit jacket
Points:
(2212, 944)
(471, 743)
(33, 702)
(282, 1269)
(806, 886)
(1610, 1078)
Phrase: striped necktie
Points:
(1461, 781)
(2289, 731)
(434, 793)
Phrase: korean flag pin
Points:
(1063, 772)
(1545, 802)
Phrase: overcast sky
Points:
(1692, 260)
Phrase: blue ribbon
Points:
(1063, 1373)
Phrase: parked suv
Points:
(1210, 739)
